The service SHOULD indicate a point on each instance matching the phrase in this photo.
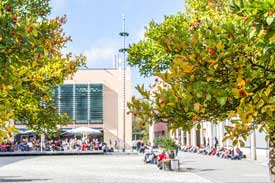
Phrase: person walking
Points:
(216, 142)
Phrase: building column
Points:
(227, 141)
(201, 134)
(187, 138)
(210, 134)
(182, 137)
(221, 133)
(42, 142)
(194, 136)
(253, 145)
(177, 134)
(152, 134)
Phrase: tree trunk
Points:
(272, 157)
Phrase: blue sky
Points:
(94, 26)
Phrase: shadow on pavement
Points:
(188, 169)
(188, 161)
(14, 179)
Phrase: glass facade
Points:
(65, 96)
(96, 103)
(83, 102)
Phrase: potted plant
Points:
(169, 146)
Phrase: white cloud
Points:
(140, 34)
(101, 53)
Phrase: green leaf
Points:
(40, 50)
(260, 104)
(252, 33)
(198, 126)
(267, 137)
(2, 46)
(235, 142)
(269, 20)
(222, 100)
(242, 144)
(208, 97)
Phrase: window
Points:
(85, 104)
(66, 99)
(96, 103)
(81, 103)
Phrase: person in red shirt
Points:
(161, 157)
(84, 147)
(4, 147)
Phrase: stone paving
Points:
(90, 169)
(128, 168)
(225, 171)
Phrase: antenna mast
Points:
(123, 50)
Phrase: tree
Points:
(167, 143)
(222, 66)
(32, 64)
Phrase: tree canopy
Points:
(32, 63)
(217, 60)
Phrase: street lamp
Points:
(123, 50)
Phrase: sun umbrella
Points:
(26, 131)
(84, 131)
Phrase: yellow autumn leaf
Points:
(249, 120)
(267, 91)
(235, 90)
(232, 114)
(195, 39)
(212, 61)
(245, 126)
(243, 116)
(188, 69)
(35, 33)
(197, 107)
(220, 45)
(178, 60)
(255, 113)
(208, 79)
(34, 63)
(241, 82)
(227, 61)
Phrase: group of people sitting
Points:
(222, 152)
(157, 157)
(67, 144)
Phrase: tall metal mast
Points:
(123, 50)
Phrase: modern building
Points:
(94, 98)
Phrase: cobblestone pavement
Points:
(225, 171)
(90, 169)
(128, 168)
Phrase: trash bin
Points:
(166, 164)
(175, 164)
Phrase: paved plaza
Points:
(226, 171)
(128, 168)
